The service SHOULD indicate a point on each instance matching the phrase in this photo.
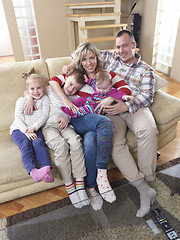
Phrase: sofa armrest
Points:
(165, 107)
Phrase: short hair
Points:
(102, 76)
(82, 50)
(126, 31)
(78, 75)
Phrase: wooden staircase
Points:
(83, 18)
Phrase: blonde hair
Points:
(32, 76)
(102, 76)
(82, 50)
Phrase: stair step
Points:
(100, 39)
(103, 26)
(94, 15)
(89, 5)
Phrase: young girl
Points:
(26, 130)
(102, 84)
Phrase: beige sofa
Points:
(14, 180)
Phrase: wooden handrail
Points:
(103, 26)
(100, 39)
(91, 3)
(94, 14)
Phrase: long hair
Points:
(82, 50)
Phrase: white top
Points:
(55, 106)
(37, 119)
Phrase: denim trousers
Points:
(98, 132)
(32, 151)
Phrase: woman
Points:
(97, 130)
(88, 59)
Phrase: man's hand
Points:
(63, 123)
(119, 107)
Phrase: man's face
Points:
(125, 48)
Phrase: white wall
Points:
(175, 72)
(5, 42)
(147, 8)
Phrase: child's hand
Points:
(70, 105)
(30, 129)
(63, 123)
(31, 136)
(127, 97)
(29, 106)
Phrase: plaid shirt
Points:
(139, 76)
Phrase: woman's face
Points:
(89, 62)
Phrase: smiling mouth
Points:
(90, 67)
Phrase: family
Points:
(99, 95)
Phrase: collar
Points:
(137, 56)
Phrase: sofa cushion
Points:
(55, 65)
(12, 168)
(12, 86)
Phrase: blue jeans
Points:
(32, 150)
(98, 133)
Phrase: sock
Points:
(147, 197)
(48, 177)
(73, 195)
(39, 174)
(81, 191)
(95, 199)
(104, 187)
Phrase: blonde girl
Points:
(26, 129)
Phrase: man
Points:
(132, 114)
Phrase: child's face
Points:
(104, 87)
(71, 86)
(35, 89)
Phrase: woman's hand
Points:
(63, 123)
(67, 69)
(30, 105)
(103, 103)
(31, 136)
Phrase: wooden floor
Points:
(170, 151)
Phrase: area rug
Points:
(60, 220)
